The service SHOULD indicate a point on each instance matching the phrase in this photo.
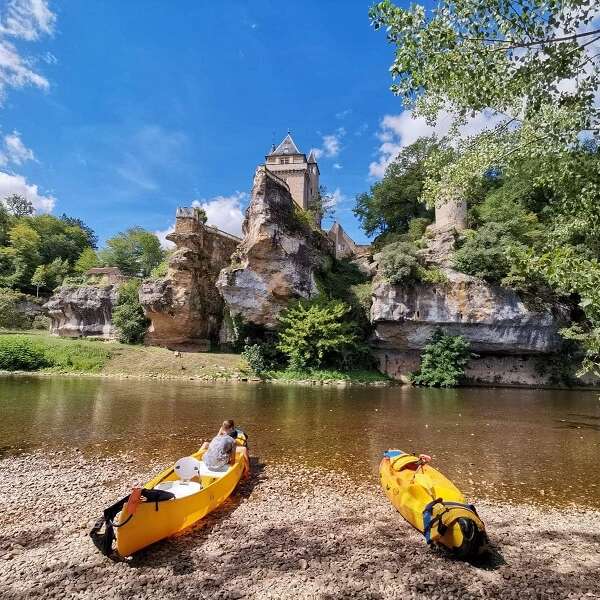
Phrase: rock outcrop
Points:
(492, 318)
(185, 308)
(83, 311)
(278, 257)
(495, 320)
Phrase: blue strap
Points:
(393, 453)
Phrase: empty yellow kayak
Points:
(165, 505)
(431, 503)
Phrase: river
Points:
(540, 446)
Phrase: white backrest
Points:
(187, 467)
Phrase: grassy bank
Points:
(83, 356)
(326, 375)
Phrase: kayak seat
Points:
(180, 489)
(206, 472)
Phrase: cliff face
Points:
(185, 307)
(508, 336)
(277, 259)
(492, 318)
(83, 311)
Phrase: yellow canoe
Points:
(171, 506)
(432, 504)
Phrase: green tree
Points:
(316, 333)
(135, 251)
(92, 238)
(443, 361)
(200, 214)
(20, 258)
(18, 205)
(323, 206)
(532, 66)
(529, 63)
(128, 316)
(5, 224)
(58, 238)
(40, 278)
(87, 260)
(392, 202)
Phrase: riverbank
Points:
(285, 534)
(87, 357)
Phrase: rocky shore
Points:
(284, 534)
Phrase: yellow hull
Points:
(155, 521)
(431, 503)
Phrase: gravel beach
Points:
(284, 534)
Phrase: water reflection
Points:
(501, 443)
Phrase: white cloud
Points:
(343, 113)
(332, 144)
(17, 184)
(225, 212)
(162, 234)
(337, 197)
(361, 129)
(398, 131)
(15, 151)
(26, 20)
(337, 166)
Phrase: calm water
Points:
(496, 443)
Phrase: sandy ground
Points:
(303, 534)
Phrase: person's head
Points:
(228, 426)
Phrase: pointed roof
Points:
(287, 146)
(311, 157)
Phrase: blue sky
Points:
(122, 111)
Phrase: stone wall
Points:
(185, 308)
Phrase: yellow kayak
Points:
(432, 504)
(165, 505)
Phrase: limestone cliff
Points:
(278, 257)
(83, 311)
(495, 320)
(492, 318)
(185, 307)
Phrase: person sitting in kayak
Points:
(221, 450)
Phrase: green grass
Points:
(329, 375)
(62, 355)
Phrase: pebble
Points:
(302, 533)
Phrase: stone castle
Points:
(300, 173)
(217, 283)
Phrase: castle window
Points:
(284, 160)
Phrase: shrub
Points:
(41, 322)
(398, 262)
(484, 253)
(431, 275)
(315, 333)
(262, 358)
(10, 315)
(128, 316)
(416, 227)
(18, 353)
(160, 270)
(443, 361)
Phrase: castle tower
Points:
(291, 165)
